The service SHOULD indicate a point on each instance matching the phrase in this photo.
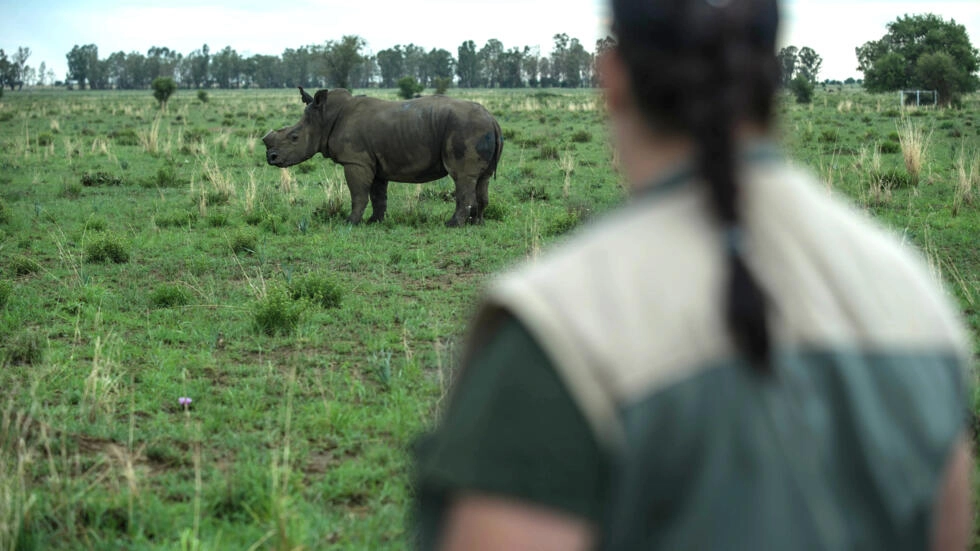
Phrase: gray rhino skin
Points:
(413, 141)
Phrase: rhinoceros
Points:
(414, 141)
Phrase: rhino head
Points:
(295, 144)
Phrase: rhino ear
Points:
(320, 98)
(306, 97)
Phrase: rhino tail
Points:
(498, 148)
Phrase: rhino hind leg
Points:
(379, 200)
(482, 199)
(465, 201)
(359, 180)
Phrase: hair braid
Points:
(711, 79)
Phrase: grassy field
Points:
(146, 258)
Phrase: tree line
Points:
(341, 63)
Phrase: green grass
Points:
(147, 258)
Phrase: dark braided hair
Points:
(698, 68)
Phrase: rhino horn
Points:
(307, 99)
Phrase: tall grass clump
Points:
(317, 289)
(277, 313)
(966, 179)
(105, 249)
(169, 295)
(914, 142)
(24, 348)
(6, 289)
(24, 265)
(149, 138)
(5, 213)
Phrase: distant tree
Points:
(161, 62)
(198, 67)
(82, 61)
(532, 66)
(802, 88)
(468, 65)
(509, 65)
(6, 69)
(18, 67)
(42, 73)
(439, 64)
(226, 68)
(264, 71)
(893, 61)
(571, 65)
(937, 71)
(391, 62)
(547, 72)
(163, 88)
(788, 57)
(300, 66)
(408, 87)
(490, 60)
(414, 63)
(850, 80)
(808, 64)
(367, 73)
(341, 58)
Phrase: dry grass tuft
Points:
(915, 145)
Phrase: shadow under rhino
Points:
(412, 141)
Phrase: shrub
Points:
(107, 248)
(6, 289)
(317, 289)
(408, 87)
(195, 135)
(95, 224)
(802, 89)
(5, 214)
(582, 136)
(166, 176)
(564, 223)
(889, 148)
(245, 241)
(829, 136)
(101, 178)
(169, 296)
(532, 192)
(125, 136)
(163, 88)
(891, 179)
(202, 96)
(329, 209)
(277, 313)
(496, 210)
(548, 151)
(71, 190)
(24, 265)
(218, 220)
(442, 84)
(25, 348)
(170, 220)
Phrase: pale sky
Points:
(50, 28)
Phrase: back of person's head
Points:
(700, 69)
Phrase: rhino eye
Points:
(294, 137)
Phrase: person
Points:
(733, 360)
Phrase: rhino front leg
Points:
(359, 183)
(465, 201)
(379, 200)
